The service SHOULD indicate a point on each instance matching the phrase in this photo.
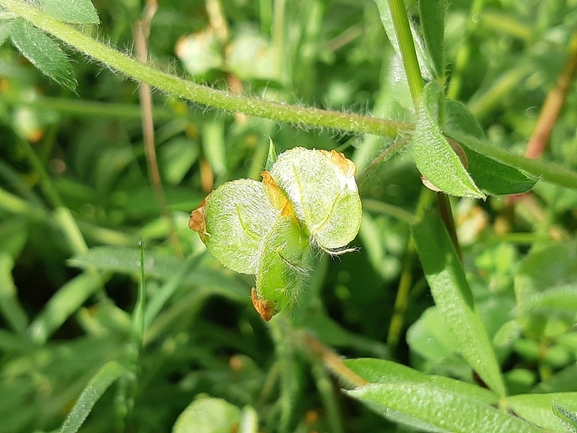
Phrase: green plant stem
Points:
(204, 95)
(89, 109)
(447, 215)
(407, 48)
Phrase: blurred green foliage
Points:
(76, 199)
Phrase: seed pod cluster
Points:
(307, 200)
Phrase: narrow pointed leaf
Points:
(43, 53)
(63, 304)
(453, 297)
(71, 11)
(434, 156)
(91, 394)
(496, 178)
(383, 371)
(10, 306)
(431, 408)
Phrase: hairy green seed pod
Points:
(233, 220)
(322, 190)
(266, 228)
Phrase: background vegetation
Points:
(125, 338)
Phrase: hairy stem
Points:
(197, 93)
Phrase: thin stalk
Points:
(141, 34)
(334, 362)
(204, 95)
(552, 106)
(407, 48)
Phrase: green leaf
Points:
(453, 297)
(428, 336)
(213, 144)
(322, 190)
(5, 28)
(547, 268)
(176, 159)
(459, 118)
(43, 53)
(422, 55)
(567, 416)
(91, 394)
(65, 302)
(11, 308)
(428, 407)
(537, 408)
(208, 415)
(71, 11)
(386, 372)
(271, 156)
(496, 178)
(434, 156)
(432, 13)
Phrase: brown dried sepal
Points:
(197, 221)
(276, 196)
(265, 308)
(462, 156)
(345, 165)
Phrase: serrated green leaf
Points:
(383, 371)
(43, 53)
(434, 156)
(431, 408)
(71, 11)
(109, 373)
(537, 408)
(208, 415)
(454, 299)
(432, 13)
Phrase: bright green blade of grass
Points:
(9, 305)
(454, 299)
(64, 303)
(93, 391)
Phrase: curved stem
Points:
(197, 93)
